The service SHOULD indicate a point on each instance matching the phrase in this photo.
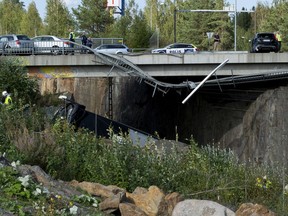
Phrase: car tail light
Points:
(66, 43)
(18, 42)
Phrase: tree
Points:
(31, 24)
(132, 27)
(11, 13)
(93, 17)
(139, 34)
(14, 79)
(275, 19)
(244, 19)
(193, 26)
(58, 19)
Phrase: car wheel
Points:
(55, 50)
(162, 52)
(119, 53)
(7, 49)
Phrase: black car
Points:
(264, 42)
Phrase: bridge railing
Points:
(61, 47)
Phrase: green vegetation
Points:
(206, 172)
(151, 26)
(200, 172)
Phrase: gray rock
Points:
(193, 207)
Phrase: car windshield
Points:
(23, 37)
(265, 36)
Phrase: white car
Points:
(112, 49)
(177, 48)
(50, 44)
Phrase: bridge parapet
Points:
(240, 63)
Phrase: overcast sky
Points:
(41, 4)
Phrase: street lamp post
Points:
(175, 11)
(235, 27)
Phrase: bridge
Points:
(239, 67)
(158, 65)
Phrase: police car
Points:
(177, 48)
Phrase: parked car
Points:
(113, 49)
(177, 48)
(50, 44)
(16, 44)
(264, 42)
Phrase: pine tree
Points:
(31, 23)
(58, 20)
(93, 17)
(11, 13)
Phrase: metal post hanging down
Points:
(206, 78)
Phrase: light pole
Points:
(235, 27)
(175, 11)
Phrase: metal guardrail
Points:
(49, 47)
(61, 47)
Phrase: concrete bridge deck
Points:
(157, 65)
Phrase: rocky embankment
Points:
(150, 201)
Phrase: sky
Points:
(41, 4)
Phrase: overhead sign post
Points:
(120, 4)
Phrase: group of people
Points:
(85, 41)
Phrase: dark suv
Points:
(264, 42)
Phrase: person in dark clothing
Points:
(84, 43)
(89, 42)
(84, 40)
(216, 42)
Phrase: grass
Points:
(65, 153)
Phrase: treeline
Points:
(151, 26)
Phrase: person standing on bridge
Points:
(279, 39)
(72, 39)
(216, 41)
(84, 42)
(89, 42)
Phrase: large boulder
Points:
(152, 201)
(194, 207)
(250, 209)
(97, 189)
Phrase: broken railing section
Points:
(133, 70)
(203, 81)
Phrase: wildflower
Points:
(45, 190)
(37, 192)
(263, 182)
(95, 205)
(58, 196)
(15, 164)
(73, 210)
(24, 180)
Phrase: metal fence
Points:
(60, 47)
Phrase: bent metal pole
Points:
(203, 81)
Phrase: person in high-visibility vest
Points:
(6, 99)
(279, 39)
(72, 39)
